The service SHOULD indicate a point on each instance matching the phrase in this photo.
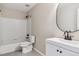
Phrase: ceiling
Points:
(23, 7)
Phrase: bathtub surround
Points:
(12, 32)
(10, 22)
(13, 29)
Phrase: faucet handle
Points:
(72, 35)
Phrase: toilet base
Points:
(27, 49)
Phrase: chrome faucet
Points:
(67, 35)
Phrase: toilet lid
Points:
(25, 43)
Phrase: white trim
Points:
(39, 52)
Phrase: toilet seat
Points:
(25, 43)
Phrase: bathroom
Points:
(27, 28)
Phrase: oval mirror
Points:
(67, 16)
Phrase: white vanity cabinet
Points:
(51, 50)
(56, 50)
(66, 52)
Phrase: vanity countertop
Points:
(67, 44)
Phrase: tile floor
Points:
(19, 53)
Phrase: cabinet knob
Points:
(60, 51)
(57, 50)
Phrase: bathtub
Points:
(9, 48)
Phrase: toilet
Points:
(27, 46)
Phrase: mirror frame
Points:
(57, 22)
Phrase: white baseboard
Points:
(39, 52)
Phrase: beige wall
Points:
(44, 23)
(11, 13)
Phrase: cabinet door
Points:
(52, 50)
(65, 52)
